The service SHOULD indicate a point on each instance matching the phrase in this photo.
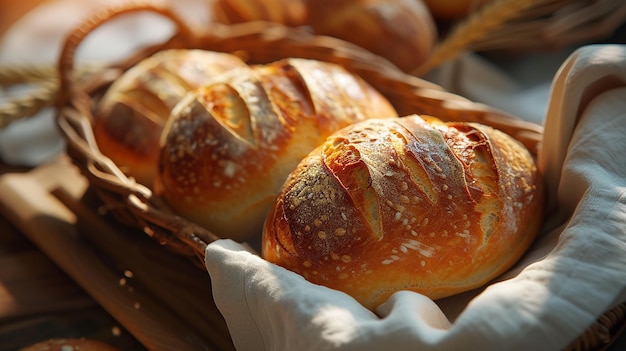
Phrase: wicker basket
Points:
(257, 42)
(135, 205)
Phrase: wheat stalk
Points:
(30, 104)
(45, 88)
(477, 26)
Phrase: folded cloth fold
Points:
(575, 271)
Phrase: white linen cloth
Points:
(575, 271)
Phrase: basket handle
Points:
(74, 101)
(68, 91)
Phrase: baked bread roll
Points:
(406, 204)
(402, 31)
(228, 148)
(130, 117)
(287, 12)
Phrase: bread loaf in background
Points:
(131, 115)
(287, 12)
(228, 148)
(402, 31)
(406, 204)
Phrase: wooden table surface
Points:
(68, 269)
(38, 301)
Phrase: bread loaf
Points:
(228, 148)
(130, 117)
(406, 204)
(287, 12)
(402, 31)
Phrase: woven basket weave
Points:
(135, 205)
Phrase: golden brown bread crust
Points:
(130, 117)
(227, 149)
(385, 205)
(288, 12)
(403, 31)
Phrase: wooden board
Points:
(161, 298)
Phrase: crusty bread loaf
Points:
(130, 117)
(227, 149)
(406, 203)
(402, 31)
(288, 12)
